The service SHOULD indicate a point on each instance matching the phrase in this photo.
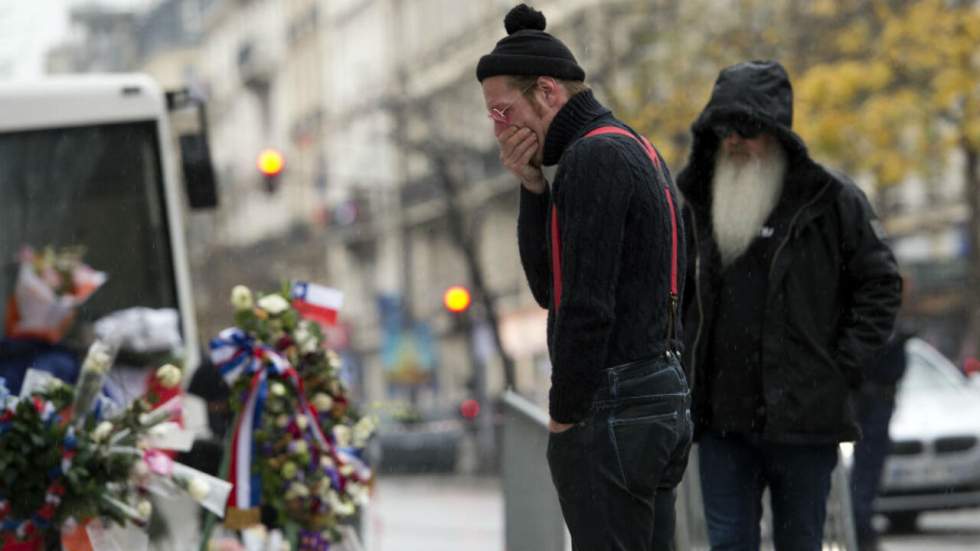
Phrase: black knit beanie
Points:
(528, 50)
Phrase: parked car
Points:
(934, 463)
(419, 443)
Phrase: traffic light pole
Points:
(485, 445)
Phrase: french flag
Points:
(317, 302)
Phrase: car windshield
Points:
(96, 187)
(929, 372)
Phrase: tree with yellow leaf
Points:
(898, 96)
(686, 42)
(884, 88)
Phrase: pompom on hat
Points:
(529, 51)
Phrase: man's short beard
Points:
(744, 192)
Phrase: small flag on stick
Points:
(317, 302)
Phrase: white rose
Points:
(302, 422)
(273, 304)
(169, 375)
(141, 470)
(288, 470)
(346, 470)
(299, 447)
(241, 298)
(322, 487)
(282, 421)
(358, 493)
(144, 508)
(277, 389)
(340, 506)
(322, 402)
(334, 360)
(101, 431)
(363, 431)
(297, 489)
(342, 435)
(305, 338)
(98, 360)
(198, 489)
(326, 462)
(309, 346)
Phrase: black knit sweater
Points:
(615, 230)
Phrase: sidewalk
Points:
(435, 513)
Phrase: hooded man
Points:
(602, 248)
(790, 292)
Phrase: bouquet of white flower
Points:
(50, 287)
(68, 461)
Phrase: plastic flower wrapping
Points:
(75, 465)
(51, 284)
(297, 443)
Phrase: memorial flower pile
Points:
(297, 443)
(69, 456)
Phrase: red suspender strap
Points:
(555, 237)
(655, 159)
(555, 257)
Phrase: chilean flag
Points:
(317, 302)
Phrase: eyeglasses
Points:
(500, 114)
(747, 130)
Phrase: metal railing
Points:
(532, 517)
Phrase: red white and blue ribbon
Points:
(237, 354)
(352, 457)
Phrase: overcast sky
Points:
(29, 27)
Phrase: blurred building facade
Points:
(928, 226)
(100, 39)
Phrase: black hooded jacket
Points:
(833, 285)
(615, 229)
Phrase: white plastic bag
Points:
(142, 330)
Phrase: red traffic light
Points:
(457, 299)
(270, 162)
(469, 408)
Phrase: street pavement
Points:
(461, 513)
(947, 531)
(435, 513)
(429, 513)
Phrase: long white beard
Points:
(745, 192)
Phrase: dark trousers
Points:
(874, 411)
(736, 468)
(617, 470)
